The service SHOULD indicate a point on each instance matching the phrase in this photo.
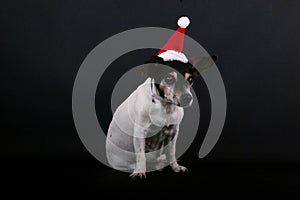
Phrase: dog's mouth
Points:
(174, 101)
(166, 95)
(180, 101)
(184, 100)
(172, 98)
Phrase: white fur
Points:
(171, 55)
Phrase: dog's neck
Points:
(161, 92)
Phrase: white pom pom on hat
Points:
(172, 50)
(183, 22)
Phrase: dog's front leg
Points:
(170, 150)
(139, 149)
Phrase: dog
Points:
(143, 132)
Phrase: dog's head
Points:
(175, 82)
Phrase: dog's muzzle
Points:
(185, 100)
(164, 100)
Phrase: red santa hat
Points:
(172, 50)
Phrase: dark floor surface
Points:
(206, 179)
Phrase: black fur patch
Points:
(162, 138)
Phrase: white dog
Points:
(143, 132)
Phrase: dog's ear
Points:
(215, 58)
(203, 63)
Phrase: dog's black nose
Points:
(185, 99)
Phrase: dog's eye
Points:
(190, 79)
(170, 79)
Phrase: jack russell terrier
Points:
(143, 132)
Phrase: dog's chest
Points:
(165, 115)
(164, 121)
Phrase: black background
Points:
(43, 44)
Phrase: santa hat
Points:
(172, 50)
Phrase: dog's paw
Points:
(179, 168)
(138, 175)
